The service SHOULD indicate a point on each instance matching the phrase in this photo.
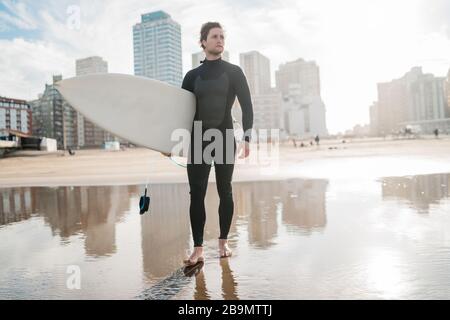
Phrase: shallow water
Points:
(356, 238)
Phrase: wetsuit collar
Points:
(212, 62)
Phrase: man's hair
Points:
(206, 27)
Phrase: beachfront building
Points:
(15, 116)
(267, 110)
(89, 134)
(54, 118)
(447, 92)
(304, 73)
(256, 67)
(266, 101)
(304, 116)
(416, 100)
(374, 119)
(157, 48)
(304, 111)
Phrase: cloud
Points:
(25, 67)
(17, 15)
(436, 16)
(3, 26)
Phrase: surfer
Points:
(216, 84)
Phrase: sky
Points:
(356, 43)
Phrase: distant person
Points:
(436, 133)
(317, 139)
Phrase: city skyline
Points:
(355, 49)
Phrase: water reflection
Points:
(173, 284)
(419, 191)
(90, 211)
(165, 229)
(15, 205)
(90, 216)
(366, 247)
(229, 284)
(302, 204)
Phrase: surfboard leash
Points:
(177, 163)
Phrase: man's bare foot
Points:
(224, 250)
(195, 257)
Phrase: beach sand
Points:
(140, 166)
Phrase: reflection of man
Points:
(215, 83)
(229, 284)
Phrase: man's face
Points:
(215, 42)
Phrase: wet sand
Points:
(292, 239)
(140, 166)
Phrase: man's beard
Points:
(215, 52)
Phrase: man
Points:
(216, 84)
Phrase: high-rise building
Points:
(54, 118)
(257, 71)
(15, 115)
(392, 105)
(427, 97)
(417, 99)
(157, 48)
(448, 94)
(304, 116)
(301, 72)
(198, 57)
(303, 108)
(267, 110)
(91, 65)
(267, 113)
(89, 134)
(374, 119)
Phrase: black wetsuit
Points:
(215, 83)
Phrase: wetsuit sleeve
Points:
(243, 95)
(188, 82)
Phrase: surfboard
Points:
(140, 110)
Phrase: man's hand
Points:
(244, 149)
